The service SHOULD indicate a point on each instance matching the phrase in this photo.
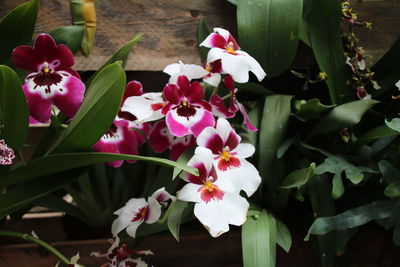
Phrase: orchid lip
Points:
(141, 214)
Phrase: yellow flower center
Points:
(229, 48)
(209, 186)
(225, 155)
(45, 69)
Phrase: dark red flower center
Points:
(46, 77)
(126, 116)
(141, 214)
(210, 191)
(186, 110)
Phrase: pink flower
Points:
(119, 139)
(222, 145)
(6, 153)
(186, 111)
(218, 204)
(137, 211)
(161, 139)
(235, 62)
(51, 79)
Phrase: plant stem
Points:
(45, 245)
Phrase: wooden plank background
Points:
(170, 27)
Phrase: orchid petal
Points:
(126, 215)
(244, 150)
(153, 210)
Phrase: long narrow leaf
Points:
(97, 112)
(269, 31)
(13, 109)
(16, 28)
(259, 239)
(55, 163)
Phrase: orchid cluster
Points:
(178, 118)
(184, 119)
(355, 55)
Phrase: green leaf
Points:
(377, 133)
(275, 118)
(183, 160)
(337, 165)
(311, 109)
(121, 55)
(259, 235)
(96, 113)
(385, 71)
(280, 152)
(283, 237)
(393, 189)
(60, 162)
(354, 217)
(343, 116)
(269, 31)
(174, 218)
(16, 28)
(394, 124)
(202, 32)
(23, 194)
(14, 119)
(389, 172)
(298, 177)
(322, 22)
(71, 36)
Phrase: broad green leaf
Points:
(84, 14)
(174, 218)
(389, 172)
(322, 22)
(393, 189)
(202, 32)
(343, 116)
(96, 113)
(311, 109)
(354, 217)
(394, 124)
(71, 36)
(377, 133)
(269, 31)
(386, 72)
(20, 195)
(16, 28)
(233, 2)
(299, 177)
(120, 56)
(14, 119)
(274, 120)
(283, 237)
(55, 163)
(254, 88)
(259, 235)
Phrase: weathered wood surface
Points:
(169, 27)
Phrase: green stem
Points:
(45, 245)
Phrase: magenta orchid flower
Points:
(218, 204)
(51, 80)
(186, 112)
(118, 139)
(137, 211)
(222, 145)
(6, 153)
(209, 74)
(161, 139)
(235, 62)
